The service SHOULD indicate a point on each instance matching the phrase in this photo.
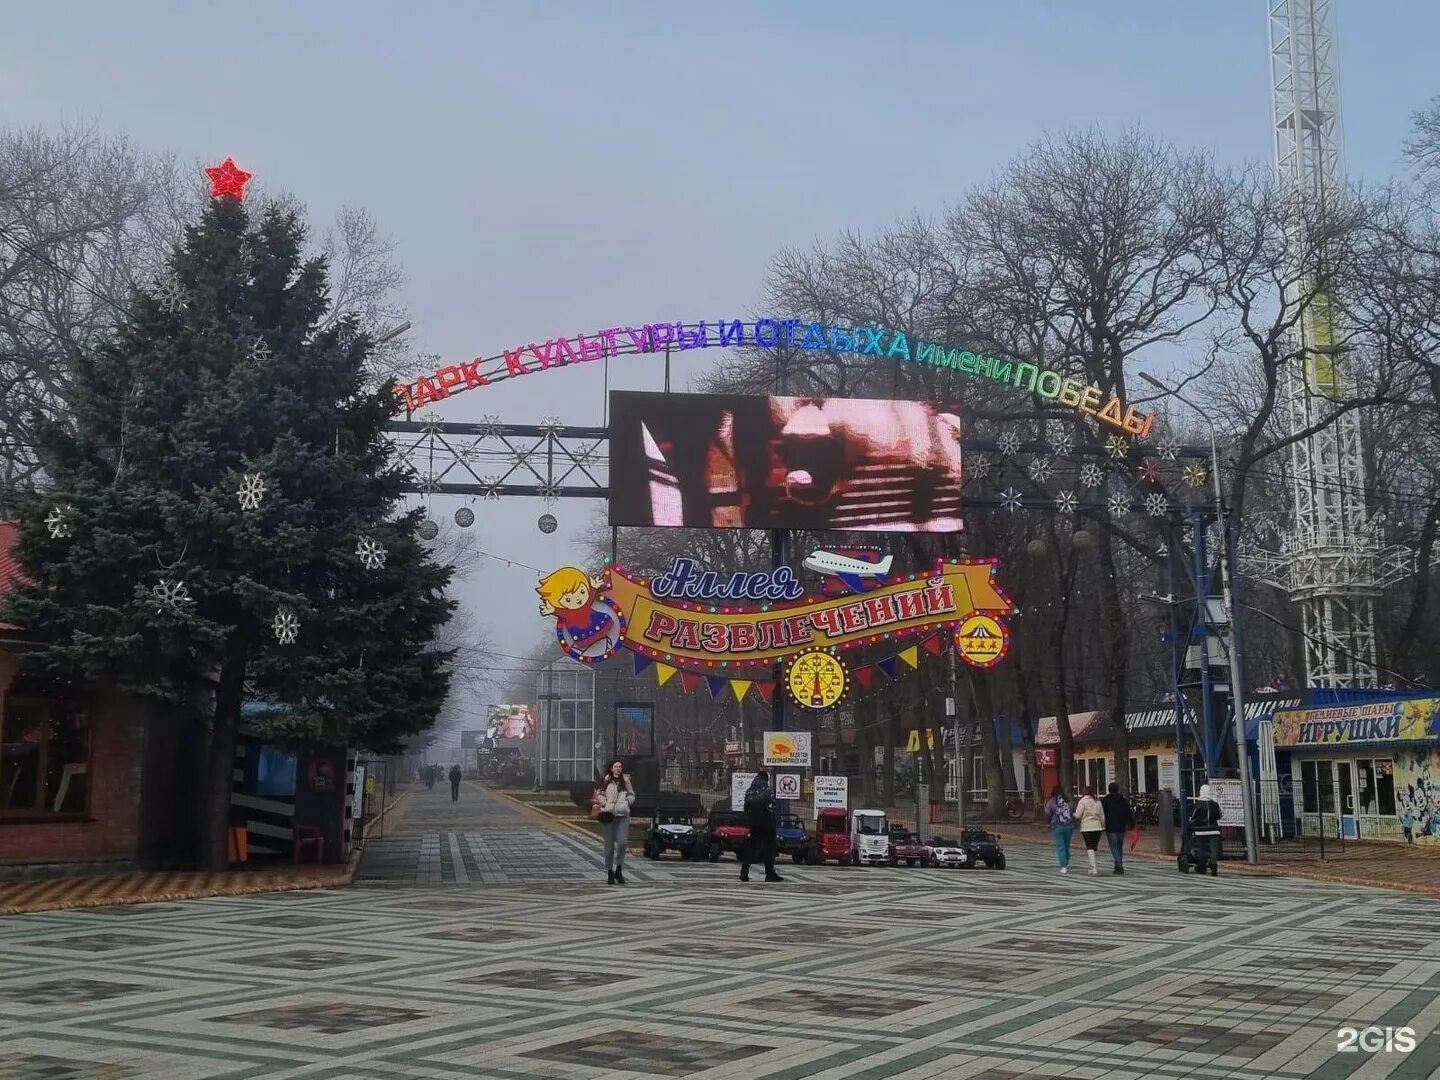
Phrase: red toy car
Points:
(725, 830)
(908, 848)
(832, 835)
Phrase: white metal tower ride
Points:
(1333, 562)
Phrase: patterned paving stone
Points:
(94, 943)
(297, 960)
(647, 1053)
(48, 1067)
(67, 991)
(333, 1018)
(522, 964)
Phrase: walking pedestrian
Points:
(1205, 827)
(614, 795)
(455, 777)
(1119, 819)
(1061, 816)
(760, 816)
(1091, 817)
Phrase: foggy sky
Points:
(550, 168)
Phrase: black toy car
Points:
(984, 847)
(673, 832)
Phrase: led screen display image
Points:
(734, 462)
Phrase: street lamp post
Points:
(1237, 695)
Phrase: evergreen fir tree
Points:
(222, 376)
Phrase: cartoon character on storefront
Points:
(587, 624)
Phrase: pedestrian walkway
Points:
(840, 973)
(483, 839)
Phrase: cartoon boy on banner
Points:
(587, 624)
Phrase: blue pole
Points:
(1177, 668)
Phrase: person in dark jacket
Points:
(760, 817)
(455, 777)
(1119, 819)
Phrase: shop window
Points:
(1309, 794)
(1152, 772)
(1095, 774)
(1366, 801)
(44, 758)
(1135, 775)
(1385, 786)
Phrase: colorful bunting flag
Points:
(716, 683)
(887, 666)
(640, 662)
(911, 656)
(741, 687)
(662, 673)
(864, 676)
(766, 688)
(933, 644)
(689, 681)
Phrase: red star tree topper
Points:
(227, 178)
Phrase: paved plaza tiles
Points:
(519, 962)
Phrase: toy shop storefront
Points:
(1367, 770)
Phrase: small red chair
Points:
(309, 835)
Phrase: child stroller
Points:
(1195, 853)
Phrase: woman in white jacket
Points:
(614, 795)
(1090, 816)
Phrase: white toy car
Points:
(948, 853)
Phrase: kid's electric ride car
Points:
(725, 830)
(869, 839)
(672, 832)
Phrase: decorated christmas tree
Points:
(221, 516)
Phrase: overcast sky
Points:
(551, 168)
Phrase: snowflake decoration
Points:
(259, 351)
(371, 553)
(170, 596)
(1040, 469)
(1010, 499)
(492, 486)
(1150, 470)
(550, 425)
(587, 455)
(1195, 474)
(1066, 502)
(469, 453)
(1009, 443)
(431, 421)
(286, 625)
(58, 522)
(1156, 505)
(1091, 475)
(1118, 503)
(1168, 448)
(1117, 446)
(489, 426)
(170, 295)
(517, 457)
(252, 490)
(979, 466)
(1063, 444)
(550, 490)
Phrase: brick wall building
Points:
(88, 777)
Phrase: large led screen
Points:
(730, 462)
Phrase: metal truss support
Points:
(551, 461)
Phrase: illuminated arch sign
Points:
(1047, 384)
(596, 616)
